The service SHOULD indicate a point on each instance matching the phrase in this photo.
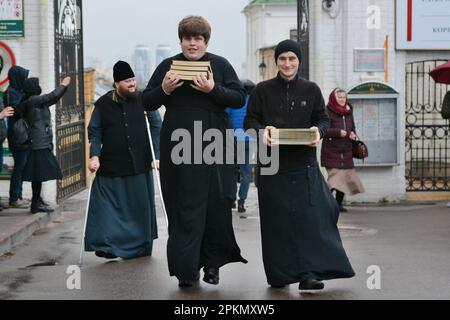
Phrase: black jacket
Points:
(288, 104)
(12, 97)
(38, 117)
(120, 125)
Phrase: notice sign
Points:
(11, 19)
(7, 60)
(369, 60)
(423, 24)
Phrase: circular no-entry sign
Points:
(7, 60)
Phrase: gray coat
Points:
(38, 117)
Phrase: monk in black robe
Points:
(198, 195)
(300, 238)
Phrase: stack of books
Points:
(293, 136)
(187, 70)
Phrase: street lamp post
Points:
(262, 69)
(303, 35)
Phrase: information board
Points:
(12, 19)
(375, 112)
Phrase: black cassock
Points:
(300, 237)
(198, 197)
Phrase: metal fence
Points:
(70, 110)
(427, 139)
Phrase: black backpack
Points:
(20, 129)
(21, 132)
(445, 112)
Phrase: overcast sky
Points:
(112, 28)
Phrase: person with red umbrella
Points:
(441, 74)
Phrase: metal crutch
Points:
(158, 181)
(80, 262)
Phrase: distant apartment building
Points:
(163, 52)
(142, 64)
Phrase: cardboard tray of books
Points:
(187, 70)
(292, 136)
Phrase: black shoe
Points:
(311, 284)
(241, 208)
(274, 286)
(211, 275)
(342, 209)
(106, 255)
(188, 283)
(39, 207)
(41, 201)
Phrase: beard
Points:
(127, 93)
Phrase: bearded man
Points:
(121, 218)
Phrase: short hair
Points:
(192, 26)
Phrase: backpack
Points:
(445, 112)
(20, 129)
(21, 132)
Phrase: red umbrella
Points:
(442, 73)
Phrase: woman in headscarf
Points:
(41, 163)
(337, 154)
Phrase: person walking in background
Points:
(300, 237)
(4, 114)
(337, 151)
(12, 97)
(237, 117)
(41, 163)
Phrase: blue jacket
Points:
(237, 117)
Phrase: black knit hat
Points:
(286, 46)
(122, 71)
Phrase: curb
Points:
(24, 230)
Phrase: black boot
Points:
(311, 284)
(188, 283)
(241, 208)
(211, 275)
(340, 199)
(106, 255)
(37, 207)
(41, 201)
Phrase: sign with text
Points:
(423, 24)
(12, 19)
(369, 60)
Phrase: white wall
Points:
(332, 45)
(267, 25)
(36, 52)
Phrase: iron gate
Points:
(427, 139)
(70, 110)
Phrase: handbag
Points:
(360, 150)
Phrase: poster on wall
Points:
(422, 25)
(7, 60)
(12, 19)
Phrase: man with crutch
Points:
(121, 218)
